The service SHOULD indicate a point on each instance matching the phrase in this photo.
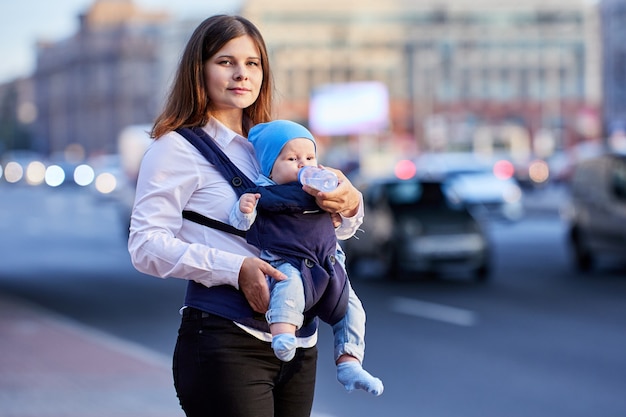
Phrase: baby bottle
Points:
(318, 178)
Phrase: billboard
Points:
(349, 108)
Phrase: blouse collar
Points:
(220, 133)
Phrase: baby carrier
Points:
(326, 286)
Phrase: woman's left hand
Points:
(345, 199)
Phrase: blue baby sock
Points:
(284, 346)
(352, 375)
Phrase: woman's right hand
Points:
(253, 284)
(345, 199)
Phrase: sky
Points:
(23, 22)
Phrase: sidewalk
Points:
(53, 367)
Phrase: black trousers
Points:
(222, 371)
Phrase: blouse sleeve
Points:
(350, 225)
(169, 176)
(239, 220)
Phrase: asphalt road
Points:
(539, 339)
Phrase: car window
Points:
(404, 193)
(416, 194)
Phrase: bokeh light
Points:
(106, 183)
(35, 173)
(55, 176)
(84, 175)
(503, 169)
(74, 152)
(405, 169)
(539, 172)
(13, 172)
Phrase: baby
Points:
(300, 240)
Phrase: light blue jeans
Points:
(287, 306)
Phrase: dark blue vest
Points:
(224, 300)
(290, 224)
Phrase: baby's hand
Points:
(247, 202)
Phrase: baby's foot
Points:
(284, 346)
(352, 375)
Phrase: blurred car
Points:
(487, 188)
(418, 225)
(488, 196)
(597, 215)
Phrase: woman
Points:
(223, 362)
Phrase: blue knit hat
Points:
(269, 139)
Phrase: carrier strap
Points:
(237, 179)
(209, 149)
(212, 223)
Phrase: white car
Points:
(487, 188)
(487, 195)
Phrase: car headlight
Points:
(512, 194)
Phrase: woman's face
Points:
(296, 153)
(233, 75)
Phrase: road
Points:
(539, 339)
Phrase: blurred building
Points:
(613, 14)
(492, 74)
(104, 77)
(17, 113)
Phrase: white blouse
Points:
(174, 176)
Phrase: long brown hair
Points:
(188, 103)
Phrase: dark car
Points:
(418, 225)
(597, 219)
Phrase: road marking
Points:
(439, 312)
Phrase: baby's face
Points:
(296, 154)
